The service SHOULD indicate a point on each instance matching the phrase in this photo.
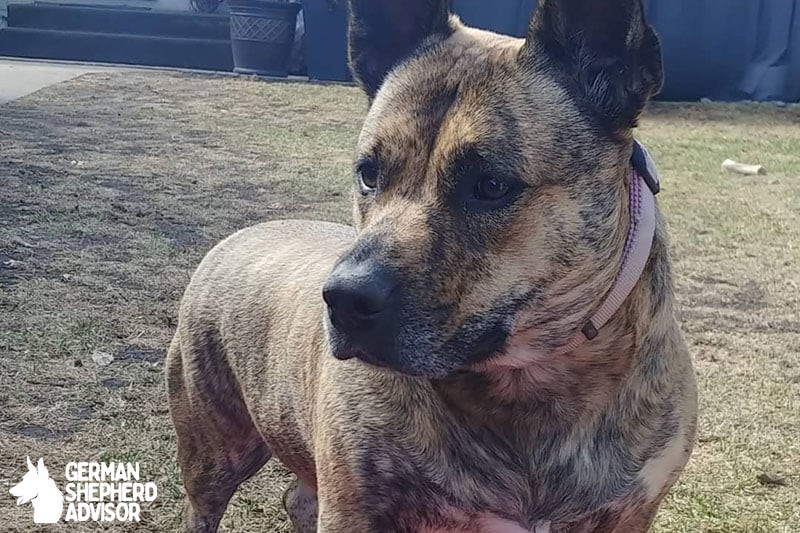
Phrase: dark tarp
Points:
(503, 16)
(729, 49)
(720, 49)
(774, 69)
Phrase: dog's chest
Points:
(486, 523)
(484, 477)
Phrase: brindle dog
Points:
(412, 372)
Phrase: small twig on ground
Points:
(22, 242)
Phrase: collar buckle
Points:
(641, 161)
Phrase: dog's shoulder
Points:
(268, 253)
(256, 282)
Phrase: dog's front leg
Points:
(629, 519)
(338, 510)
(634, 520)
(335, 519)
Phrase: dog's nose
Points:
(358, 297)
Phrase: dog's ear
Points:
(30, 465)
(41, 470)
(384, 32)
(605, 52)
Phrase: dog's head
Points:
(491, 177)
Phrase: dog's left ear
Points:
(603, 50)
(385, 32)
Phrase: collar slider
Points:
(589, 331)
(642, 161)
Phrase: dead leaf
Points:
(771, 479)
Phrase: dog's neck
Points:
(558, 393)
(642, 188)
(590, 370)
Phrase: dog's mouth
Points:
(362, 355)
(412, 353)
(345, 348)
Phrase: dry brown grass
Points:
(112, 187)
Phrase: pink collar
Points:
(643, 187)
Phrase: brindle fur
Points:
(483, 426)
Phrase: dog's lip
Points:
(375, 362)
(344, 355)
(344, 350)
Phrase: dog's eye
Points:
(367, 173)
(491, 189)
(490, 193)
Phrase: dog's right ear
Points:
(30, 465)
(384, 32)
(603, 50)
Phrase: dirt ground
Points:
(113, 186)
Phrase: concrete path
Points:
(19, 78)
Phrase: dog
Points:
(492, 347)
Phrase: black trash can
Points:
(326, 39)
(262, 34)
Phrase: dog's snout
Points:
(364, 300)
(358, 301)
(359, 298)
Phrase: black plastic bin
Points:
(326, 39)
(262, 34)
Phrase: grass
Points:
(113, 186)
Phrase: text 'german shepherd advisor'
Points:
(493, 347)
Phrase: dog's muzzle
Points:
(363, 307)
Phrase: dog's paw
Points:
(300, 504)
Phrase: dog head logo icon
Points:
(37, 488)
